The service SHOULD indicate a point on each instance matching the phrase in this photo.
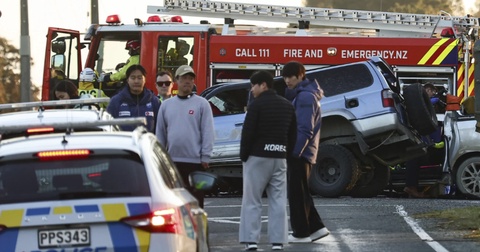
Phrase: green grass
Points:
(464, 219)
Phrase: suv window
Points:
(96, 176)
(343, 79)
(233, 101)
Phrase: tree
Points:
(10, 74)
(476, 12)
(406, 6)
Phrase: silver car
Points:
(463, 153)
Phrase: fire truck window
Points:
(343, 79)
(113, 54)
(174, 52)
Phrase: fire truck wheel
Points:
(335, 172)
(372, 182)
(420, 111)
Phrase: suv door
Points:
(229, 103)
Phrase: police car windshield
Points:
(28, 180)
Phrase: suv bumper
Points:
(387, 140)
(382, 124)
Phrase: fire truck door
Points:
(62, 60)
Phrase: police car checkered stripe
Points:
(143, 237)
(10, 218)
(38, 211)
(122, 236)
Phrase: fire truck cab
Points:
(421, 48)
(172, 45)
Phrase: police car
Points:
(44, 114)
(96, 191)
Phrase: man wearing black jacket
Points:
(268, 136)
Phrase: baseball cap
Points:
(184, 69)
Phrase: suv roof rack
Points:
(54, 103)
(73, 125)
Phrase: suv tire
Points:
(420, 111)
(372, 182)
(335, 172)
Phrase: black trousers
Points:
(412, 166)
(412, 170)
(185, 169)
(304, 218)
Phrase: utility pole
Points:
(94, 11)
(25, 90)
(94, 20)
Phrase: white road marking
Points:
(419, 231)
(207, 205)
(331, 239)
(232, 220)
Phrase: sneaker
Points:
(277, 246)
(293, 239)
(250, 246)
(322, 232)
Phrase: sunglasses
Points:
(166, 83)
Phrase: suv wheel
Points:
(468, 177)
(420, 111)
(336, 171)
(372, 182)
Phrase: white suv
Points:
(365, 127)
(96, 191)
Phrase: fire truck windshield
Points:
(113, 53)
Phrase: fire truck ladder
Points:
(387, 24)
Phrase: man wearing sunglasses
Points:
(164, 85)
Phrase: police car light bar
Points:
(54, 103)
(73, 125)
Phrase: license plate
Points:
(64, 237)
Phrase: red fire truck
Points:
(421, 48)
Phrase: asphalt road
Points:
(376, 224)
